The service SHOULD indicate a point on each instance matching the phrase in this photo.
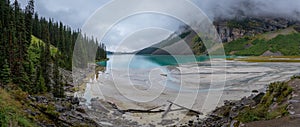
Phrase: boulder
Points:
(269, 53)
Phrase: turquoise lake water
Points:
(150, 61)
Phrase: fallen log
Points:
(137, 110)
(147, 111)
(155, 107)
(167, 111)
(142, 111)
(190, 110)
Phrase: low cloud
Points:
(233, 8)
(76, 12)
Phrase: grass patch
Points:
(35, 50)
(258, 47)
(36, 42)
(11, 112)
(269, 59)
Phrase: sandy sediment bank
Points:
(145, 89)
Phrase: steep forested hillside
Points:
(32, 48)
(33, 51)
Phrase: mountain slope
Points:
(185, 42)
(283, 42)
(250, 36)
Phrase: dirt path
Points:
(293, 120)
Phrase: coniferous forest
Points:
(33, 49)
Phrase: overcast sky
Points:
(76, 12)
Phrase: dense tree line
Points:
(18, 61)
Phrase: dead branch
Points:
(145, 111)
(142, 111)
(190, 110)
(155, 107)
(167, 111)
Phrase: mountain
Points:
(178, 43)
(233, 29)
(186, 41)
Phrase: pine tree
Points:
(47, 70)
(40, 83)
(20, 47)
(5, 73)
(27, 64)
(11, 38)
(45, 65)
(58, 90)
(36, 28)
(29, 11)
(5, 20)
(2, 52)
(31, 72)
(24, 81)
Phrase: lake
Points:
(151, 61)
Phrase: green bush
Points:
(295, 77)
(280, 111)
(248, 114)
(262, 111)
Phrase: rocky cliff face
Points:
(233, 29)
